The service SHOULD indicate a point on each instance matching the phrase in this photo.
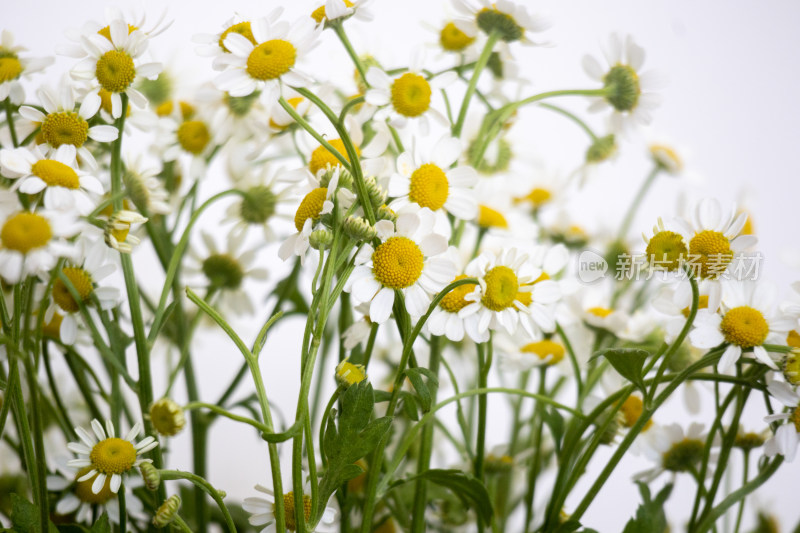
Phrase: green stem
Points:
(637, 201)
(11, 128)
(745, 473)
(574, 118)
(537, 423)
(473, 82)
(338, 27)
(123, 511)
(167, 475)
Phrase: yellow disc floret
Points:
(348, 373)
(684, 455)
(702, 303)
(56, 174)
(711, 252)
(24, 232)
(310, 207)
(319, 14)
(491, 218)
(81, 280)
(106, 32)
(113, 456)
(83, 489)
(744, 326)
(538, 196)
(411, 95)
(397, 263)
(666, 250)
(454, 301)
(115, 71)
(193, 136)
(502, 286)
(321, 157)
(429, 187)
(544, 349)
(271, 59)
(242, 28)
(167, 417)
(600, 312)
(288, 508)
(10, 67)
(65, 127)
(454, 40)
(631, 409)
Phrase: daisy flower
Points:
(714, 238)
(521, 355)
(628, 91)
(113, 63)
(117, 233)
(61, 125)
(269, 59)
(13, 68)
(406, 260)
(341, 10)
(191, 136)
(226, 270)
(65, 187)
(32, 242)
(90, 267)
(784, 441)
(262, 511)
(746, 320)
(409, 95)
(509, 20)
(445, 320)
(233, 117)
(144, 187)
(428, 181)
(108, 456)
(213, 44)
(674, 450)
(675, 301)
(501, 296)
(453, 39)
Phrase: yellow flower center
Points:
(65, 127)
(113, 456)
(25, 231)
(397, 263)
(271, 59)
(600, 312)
(683, 455)
(310, 207)
(81, 280)
(242, 28)
(10, 68)
(106, 32)
(545, 348)
(56, 174)
(319, 14)
(167, 417)
(702, 303)
(454, 301)
(429, 187)
(288, 508)
(411, 95)
(52, 329)
(321, 157)
(793, 339)
(666, 250)
(711, 250)
(538, 196)
(796, 418)
(502, 286)
(631, 409)
(115, 71)
(166, 108)
(83, 489)
(667, 158)
(454, 40)
(744, 326)
(193, 136)
(490, 218)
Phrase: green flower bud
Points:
(359, 229)
(150, 475)
(377, 194)
(623, 84)
(258, 205)
(601, 149)
(385, 213)
(494, 21)
(320, 239)
(167, 512)
(167, 417)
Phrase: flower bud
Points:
(377, 194)
(384, 212)
(348, 373)
(601, 149)
(150, 475)
(117, 231)
(359, 229)
(622, 83)
(167, 512)
(320, 239)
(167, 417)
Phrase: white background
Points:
(732, 100)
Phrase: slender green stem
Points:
(11, 128)
(537, 424)
(630, 214)
(473, 82)
(123, 511)
(745, 474)
(227, 414)
(182, 525)
(167, 475)
(574, 118)
(338, 27)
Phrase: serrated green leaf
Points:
(650, 516)
(25, 516)
(629, 362)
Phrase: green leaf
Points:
(629, 362)
(650, 516)
(555, 422)
(25, 516)
(469, 489)
(102, 525)
(425, 391)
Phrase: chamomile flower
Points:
(428, 181)
(505, 279)
(510, 21)
(113, 63)
(64, 186)
(520, 354)
(341, 10)
(673, 449)
(213, 44)
(32, 242)
(191, 137)
(784, 441)
(675, 301)
(225, 271)
(453, 39)
(233, 117)
(408, 260)
(90, 266)
(407, 97)
(107, 456)
(61, 125)
(13, 68)
(117, 233)
(714, 238)
(144, 187)
(746, 320)
(269, 59)
(262, 511)
(628, 90)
